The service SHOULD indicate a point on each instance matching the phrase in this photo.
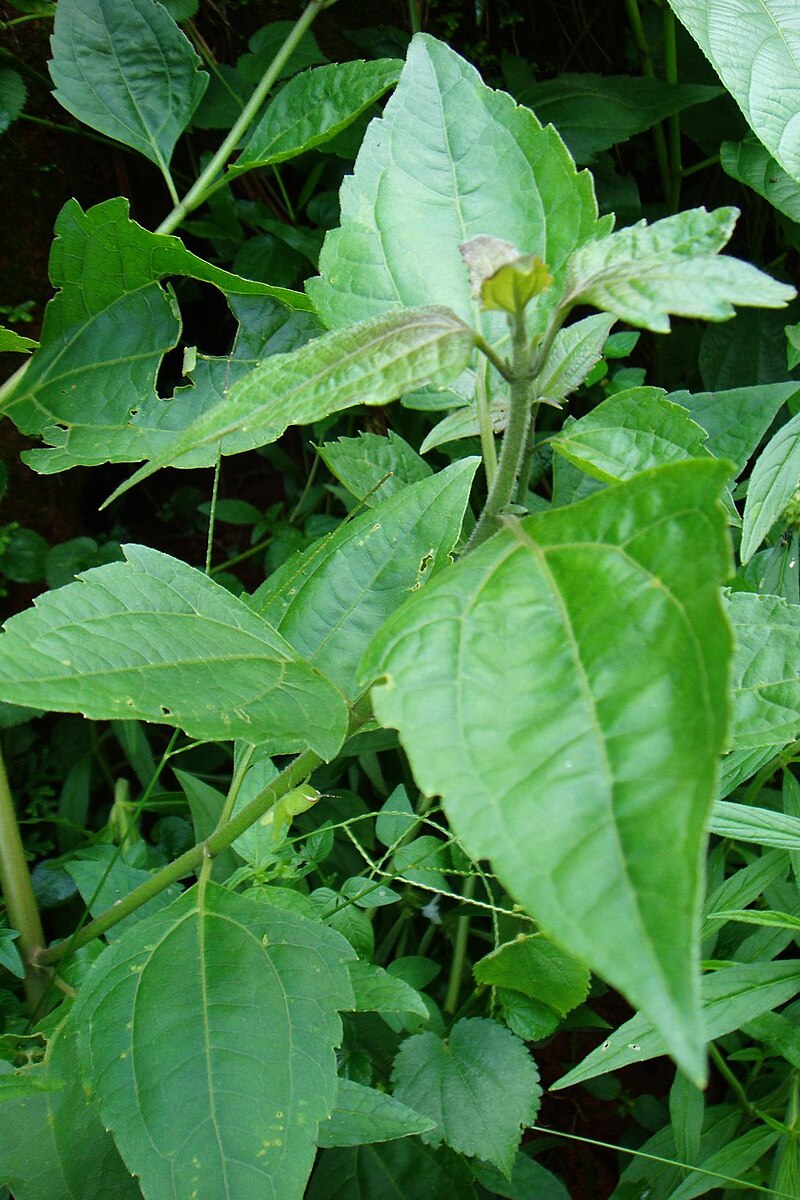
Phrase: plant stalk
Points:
(483, 404)
(23, 913)
(459, 953)
(200, 188)
(648, 70)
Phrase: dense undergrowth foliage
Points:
(441, 760)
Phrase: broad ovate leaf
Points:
(765, 677)
(644, 273)
(155, 639)
(480, 1086)
(601, 628)
(404, 1167)
(329, 600)
(773, 483)
(449, 160)
(536, 967)
(127, 71)
(754, 46)
(369, 363)
(313, 107)
(90, 390)
(208, 1036)
(52, 1143)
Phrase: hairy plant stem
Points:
(23, 913)
(204, 183)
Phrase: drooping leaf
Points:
(449, 160)
(370, 363)
(52, 1144)
(737, 419)
(630, 432)
(373, 468)
(731, 996)
(614, 718)
(362, 1115)
(398, 1169)
(10, 341)
(773, 483)
(751, 163)
(538, 968)
(375, 990)
(218, 1092)
(765, 677)
(644, 273)
(89, 391)
(593, 112)
(754, 46)
(481, 1087)
(329, 600)
(127, 71)
(761, 826)
(314, 107)
(155, 639)
(12, 97)
(103, 878)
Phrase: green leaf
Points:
(28, 1082)
(754, 46)
(397, 1170)
(126, 71)
(52, 1145)
(373, 468)
(764, 679)
(481, 1087)
(370, 363)
(760, 826)
(348, 920)
(731, 996)
(449, 160)
(90, 389)
(593, 112)
(11, 341)
(615, 745)
(575, 350)
(761, 916)
(155, 639)
(538, 968)
(752, 164)
(12, 97)
(362, 1115)
(528, 1180)
(630, 432)
(737, 419)
(220, 1091)
(749, 350)
(103, 878)
(376, 990)
(645, 272)
(314, 107)
(733, 1161)
(9, 954)
(205, 805)
(425, 861)
(529, 1019)
(265, 44)
(328, 600)
(773, 482)
(396, 819)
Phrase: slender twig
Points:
(459, 952)
(23, 913)
(648, 70)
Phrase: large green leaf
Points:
(645, 272)
(731, 996)
(155, 639)
(538, 968)
(369, 363)
(600, 626)
(481, 1087)
(754, 46)
(752, 164)
(629, 432)
(329, 600)
(773, 483)
(314, 107)
(593, 112)
(449, 160)
(207, 1036)
(397, 1170)
(89, 391)
(362, 1115)
(765, 676)
(736, 420)
(128, 71)
(52, 1144)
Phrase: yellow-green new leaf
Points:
(599, 628)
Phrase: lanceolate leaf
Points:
(765, 677)
(314, 107)
(89, 391)
(644, 273)
(207, 1036)
(754, 46)
(449, 160)
(615, 707)
(156, 639)
(752, 164)
(362, 1114)
(773, 483)
(480, 1087)
(370, 363)
(52, 1144)
(329, 600)
(760, 826)
(128, 71)
(574, 352)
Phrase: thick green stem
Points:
(15, 879)
(205, 181)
